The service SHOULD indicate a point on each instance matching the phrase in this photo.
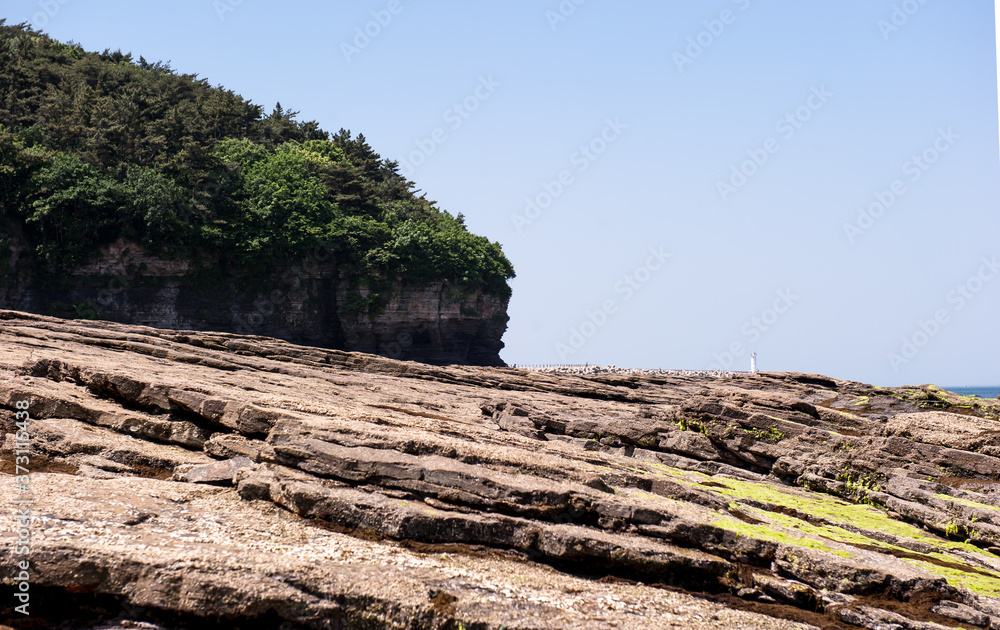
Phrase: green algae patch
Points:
(943, 557)
(957, 546)
(841, 535)
(827, 508)
(980, 584)
(772, 534)
(844, 414)
(818, 505)
(852, 516)
(831, 532)
(814, 514)
(948, 497)
(657, 498)
(673, 472)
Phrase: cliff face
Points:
(310, 303)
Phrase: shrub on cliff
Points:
(97, 146)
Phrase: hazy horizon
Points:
(677, 186)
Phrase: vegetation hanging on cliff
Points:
(98, 146)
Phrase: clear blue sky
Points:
(664, 120)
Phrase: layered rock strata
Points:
(312, 302)
(194, 479)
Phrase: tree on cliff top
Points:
(97, 146)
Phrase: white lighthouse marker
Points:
(753, 363)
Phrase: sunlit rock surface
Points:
(195, 479)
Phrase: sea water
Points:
(982, 392)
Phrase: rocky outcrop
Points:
(312, 303)
(193, 479)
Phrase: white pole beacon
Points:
(753, 363)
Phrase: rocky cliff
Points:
(252, 223)
(311, 302)
(195, 479)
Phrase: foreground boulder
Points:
(188, 479)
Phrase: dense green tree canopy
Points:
(98, 146)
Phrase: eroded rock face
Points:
(310, 303)
(189, 479)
